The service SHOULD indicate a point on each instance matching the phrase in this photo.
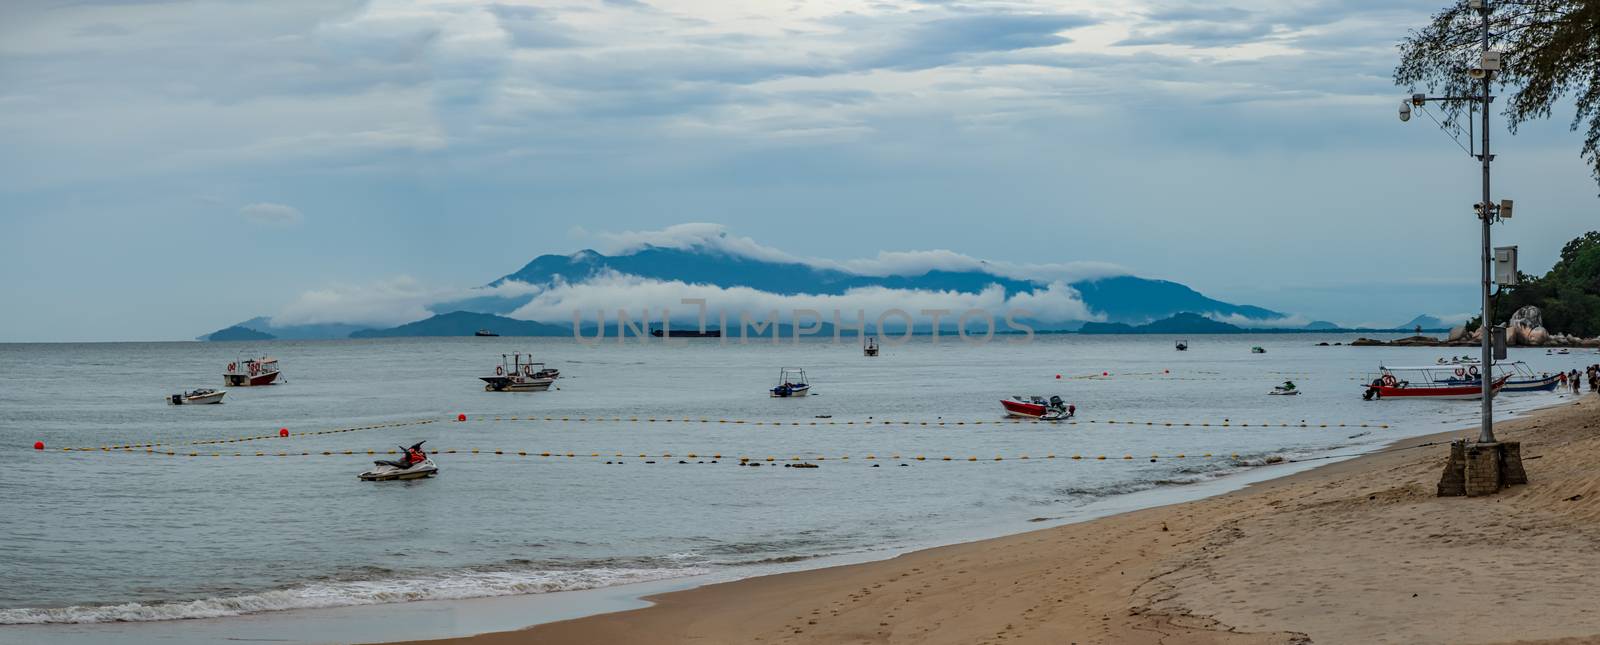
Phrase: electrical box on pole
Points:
(1505, 265)
(1499, 342)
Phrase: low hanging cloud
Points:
(385, 303)
(612, 291)
(271, 214)
(706, 236)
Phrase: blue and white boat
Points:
(1523, 379)
(791, 383)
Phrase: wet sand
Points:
(1359, 551)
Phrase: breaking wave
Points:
(455, 586)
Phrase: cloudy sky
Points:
(169, 168)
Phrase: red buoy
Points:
(461, 417)
(1058, 377)
(1105, 373)
(38, 445)
(283, 432)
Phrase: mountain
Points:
(1321, 325)
(466, 323)
(1124, 299)
(1182, 323)
(237, 333)
(264, 325)
(1424, 321)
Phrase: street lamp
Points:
(1488, 212)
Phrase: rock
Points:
(1367, 342)
(1527, 317)
(1457, 333)
(1537, 336)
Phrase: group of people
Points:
(1575, 381)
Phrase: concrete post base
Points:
(1477, 469)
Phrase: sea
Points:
(629, 470)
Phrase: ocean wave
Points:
(452, 586)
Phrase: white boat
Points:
(1521, 378)
(792, 382)
(202, 396)
(517, 375)
(1430, 382)
(251, 371)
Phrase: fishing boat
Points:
(686, 333)
(1036, 407)
(1430, 382)
(484, 333)
(251, 371)
(869, 346)
(202, 396)
(1521, 377)
(514, 374)
(792, 382)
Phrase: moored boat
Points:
(514, 374)
(484, 333)
(1430, 382)
(251, 371)
(869, 346)
(202, 396)
(792, 382)
(1521, 377)
(1037, 407)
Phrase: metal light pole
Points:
(1488, 65)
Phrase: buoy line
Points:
(283, 433)
(1225, 423)
(717, 456)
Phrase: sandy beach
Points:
(1359, 551)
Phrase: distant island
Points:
(1193, 323)
(237, 333)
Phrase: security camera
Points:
(1419, 99)
(1405, 111)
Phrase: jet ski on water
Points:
(1287, 389)
(412, 464)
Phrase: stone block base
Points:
(1478, 469)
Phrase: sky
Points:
(170, 168)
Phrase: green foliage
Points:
(1551, 50)
(1568, 296)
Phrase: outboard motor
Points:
(1055, 401)
(177, 399)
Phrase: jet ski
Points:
(412, 464)
(1287, 389)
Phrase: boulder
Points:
(1459, 332)
(1527, 317)
(1536, 336)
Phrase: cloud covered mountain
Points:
(656, 270)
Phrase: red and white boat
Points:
(1038, 408)
(1430, 382)
(251, 371)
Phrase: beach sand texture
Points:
(1355, 552)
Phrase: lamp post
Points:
(1488, 213)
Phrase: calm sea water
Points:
(120, 536)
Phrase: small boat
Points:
(202, 396)
(1258, 350)
(869, 346)
(484, 333)
(1036, 407)
(1396, 382)
(791, 383)
(686, 333)
(1183, 346)
(251, 371)
(1287, 389)
(1563, 351)
(516, 375)
(1521, 377)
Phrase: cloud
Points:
(385, 303)
(271, 214)
(612, 291)
(705, 236)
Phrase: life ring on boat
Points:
(1388, 379)
(1460, 372)
(1473, 370)
(527, 370)
(255, 368)
(500, 371)
(232, 366)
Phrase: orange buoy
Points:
(283, 432)
(461, 417)
(38, 445)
